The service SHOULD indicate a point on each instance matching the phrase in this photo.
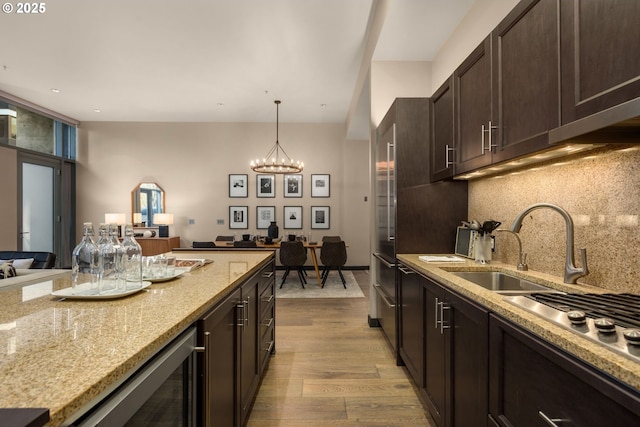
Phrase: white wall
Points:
(192, 161)
(481, 19)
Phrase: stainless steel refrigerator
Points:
(413, 215)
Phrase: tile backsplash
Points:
(600, 191)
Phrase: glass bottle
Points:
(111, 277)
(84, 262)
(132, 259)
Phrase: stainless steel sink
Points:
(502, 283)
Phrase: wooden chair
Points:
(293, 255)
(333, 254)
(245, 244)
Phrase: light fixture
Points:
(163, 221)
(273, 162)
(137, 219)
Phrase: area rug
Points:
(332, 289)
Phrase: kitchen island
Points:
(63, 354)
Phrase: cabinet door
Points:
(249, 341)
(526, 96)
(436, 385)
(599, 60)
(472, 88)
(442, 142)
(469, 357)
(411, 314)
(531, 379)
(220, 365)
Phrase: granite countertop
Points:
(626, 370)
(60, 354)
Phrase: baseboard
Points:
(374, 323)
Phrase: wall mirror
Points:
(147, 199)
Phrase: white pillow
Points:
(23, 263)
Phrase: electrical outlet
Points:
(220, 222)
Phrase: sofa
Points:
(41, 260)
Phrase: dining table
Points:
(312, 246)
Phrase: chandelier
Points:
(270, 163)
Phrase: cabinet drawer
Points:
(267, 278)
(267, 302)
(267, 345)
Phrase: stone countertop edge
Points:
(618, 366)
(69, 353)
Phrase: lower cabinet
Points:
(444, 344)
(232, 335)
(535, 384)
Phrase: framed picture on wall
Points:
(265, 185)
(238, 217)
(320, 217)
(293, 217)
(264, 216)
(320, 185)
(238, 185)
(293, 185)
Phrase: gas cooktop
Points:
(612, 320)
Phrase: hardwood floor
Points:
(332, 369)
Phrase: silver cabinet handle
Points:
(271, 344)
(383, 261)
(551, 421)
(267, 275)
(240, 320)
(488, 130)
(443, 324)
(440, 307)
(384, 298)
(268, 323)
(405, 270)
(268, 300)
(447, 150)
(206, 348)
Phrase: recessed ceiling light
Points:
(220, 104)
(323, 105)
(97, 110)
(54, 90)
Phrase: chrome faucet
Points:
(522, 257)
(571, 272)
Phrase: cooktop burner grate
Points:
(623, 309)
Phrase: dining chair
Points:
(224, 239)
(333, 255)
(293, 255)
(203, 245)
(331, 239)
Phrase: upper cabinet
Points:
(599, 55)
(410, 140)
(506, 92)
(442, 142)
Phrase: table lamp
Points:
(163, 220)
(116, 218)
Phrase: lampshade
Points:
(274, 162)
(115, 218)
(163, 219)
(137, 218)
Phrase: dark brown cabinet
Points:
(599, 61)
(506, 92)
(442, 141)
(220, 365)
(444, 344)
(406, 125)
(411, 324)
(536, 384)
(456, 367)
(233, 335)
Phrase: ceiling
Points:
(212, 60)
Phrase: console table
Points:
(158, 245)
